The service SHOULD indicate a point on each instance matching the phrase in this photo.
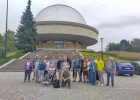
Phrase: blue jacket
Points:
(42, 66)
(91, 66)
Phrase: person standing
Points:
(68, 60)
(93, 67)
(36, 64)
(42, 66)
(59, 67)
(111, 70)
(100, 67)
(77, 67)
(47, 65)
(54, 62)
(34, 60)
(85, 71)
(66, 77)
(27, 69)
(88, 63)
(64, 64)
(82, 65)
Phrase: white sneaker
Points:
(44, 82)
(98, 84)
(102, 84)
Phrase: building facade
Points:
(62, 27)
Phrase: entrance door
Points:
(58, 46)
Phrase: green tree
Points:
(26, 36)
(11, 41)
(135, 43)
(1, 39)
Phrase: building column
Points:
(75, 44)
(64, 44)
(51, 43)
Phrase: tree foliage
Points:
(124, 45)
(26, 36)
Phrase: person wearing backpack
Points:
(76, 67)
(111, 70)
(64, 64)
(66, 77)
(41, 69)
(69, 61)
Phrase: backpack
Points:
(56, 83)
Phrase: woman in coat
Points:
(27, 69)
(93, 67)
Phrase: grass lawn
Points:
(126, 54)
(12, 53)
(14, 56)
(87, 54)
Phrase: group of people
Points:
(89, 70)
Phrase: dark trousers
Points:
(27, 74)
(89, 76)
(112, 78)
(81, 71)
(63, 84)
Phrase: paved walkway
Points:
(12, 88)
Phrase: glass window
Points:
(124, 63)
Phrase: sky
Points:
(114, 19)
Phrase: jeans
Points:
(92, 77)
(108, 78)
(63, 84)
(101, 78)
(81, 71)
(41, 75)
(27, 74)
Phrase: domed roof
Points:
(60, 13)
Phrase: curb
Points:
(24, 55)
(7, 63)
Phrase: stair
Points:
(18, 64)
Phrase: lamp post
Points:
(6, 31)
(102, 46)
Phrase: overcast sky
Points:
(114, 19)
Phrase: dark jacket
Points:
(59, 64)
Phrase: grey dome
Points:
(60, 13)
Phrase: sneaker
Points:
(98, 84)
(44, 82)
(107, 84)
(102, 85)
(73, 80)
(69, 87)
(79, 81)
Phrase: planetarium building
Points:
(63, 27)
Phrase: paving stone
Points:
(12, 88)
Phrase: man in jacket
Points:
(111, 70)
(100, 67)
